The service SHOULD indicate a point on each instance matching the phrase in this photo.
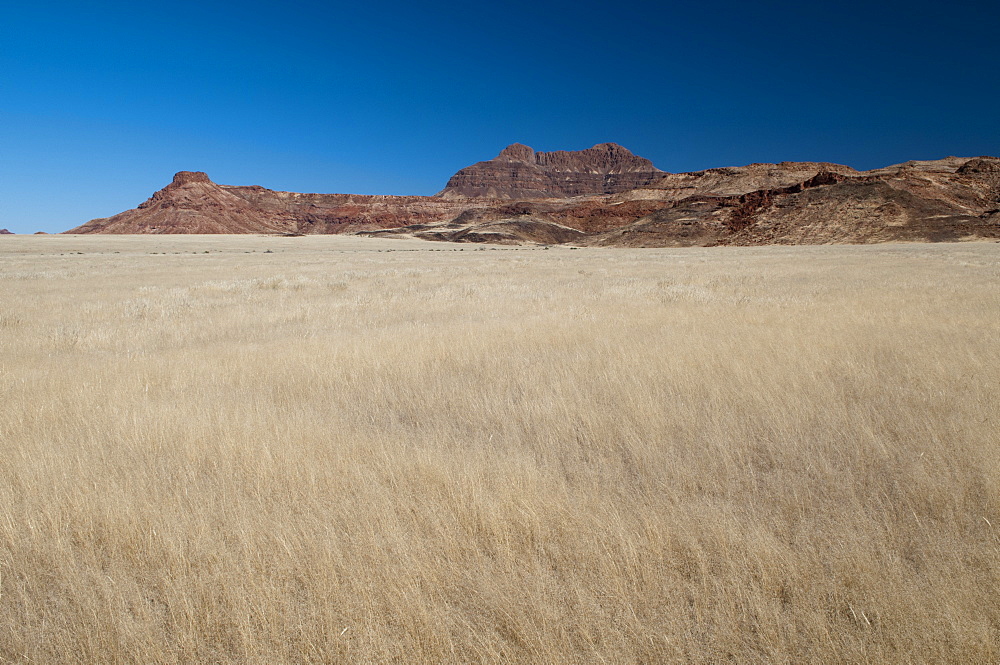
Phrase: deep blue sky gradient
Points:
(101, 102)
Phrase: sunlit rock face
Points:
(607, 196)
(519, 172)
(193, 203)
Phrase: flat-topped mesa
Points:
(185, 177)
(519, 172)
(193, 203)
(186, 190)
(516, 152)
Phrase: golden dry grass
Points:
(337, 453)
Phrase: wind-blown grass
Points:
(333, 453)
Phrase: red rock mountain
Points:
(519, 172)
(192, 203)
(608, 196)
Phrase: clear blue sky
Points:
(101, 102)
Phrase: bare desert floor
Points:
(237, 449)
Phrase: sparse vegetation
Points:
(781, 455)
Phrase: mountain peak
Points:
(185, 177)
(520, 172)
(612, 147)
(516, 152)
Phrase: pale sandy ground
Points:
(337, 449)
(145, 244)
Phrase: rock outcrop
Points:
(791, 203)
(918, 201)
(519, 172)
(192, 203)
(5, 232)
(787, 203)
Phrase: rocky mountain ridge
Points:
(789, 202)
(193, 203)
(519, 172)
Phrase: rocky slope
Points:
(519, 172)
(192, 203)
(791, 202)
(5, 232)
(943, 200)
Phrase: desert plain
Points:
(252, 449)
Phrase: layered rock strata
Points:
(791, 202)
(519, 172)
(192, 203)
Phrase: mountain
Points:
(607, 196)
(943, 200)
(192, 203)
(519, 172)
(787, 203)
(5, 232)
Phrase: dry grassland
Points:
(336, 453)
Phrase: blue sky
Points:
(101, 102)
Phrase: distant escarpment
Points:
(519, 172)
(192, 203)
(607, 196)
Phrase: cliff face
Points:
(519, 172)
